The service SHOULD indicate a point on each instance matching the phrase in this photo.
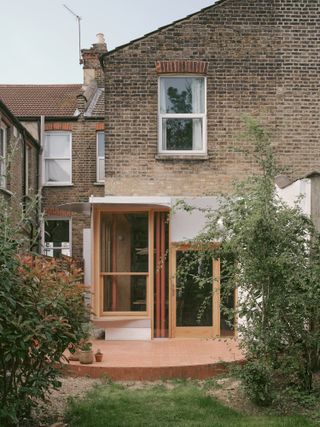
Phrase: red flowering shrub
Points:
(42, 311)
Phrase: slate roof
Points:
(5, 110)
(41, 100)
(95, 108)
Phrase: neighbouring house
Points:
(68, 120)
(19, 169)
(174, 105)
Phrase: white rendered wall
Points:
(290, 194)
(128, 334)
(187, 225)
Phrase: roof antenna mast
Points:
(79, 29)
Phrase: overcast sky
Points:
(39, 38)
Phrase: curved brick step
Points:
(148, 373)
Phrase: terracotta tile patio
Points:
(163, 358)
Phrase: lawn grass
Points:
(185, 405)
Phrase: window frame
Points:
(27, 169)
(146, 274)
(202, 116)
(3, 178)
(55, 218)
(99, 157)
(57, 183)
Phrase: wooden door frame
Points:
(195, 331)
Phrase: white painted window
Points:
(3, 157)
(57, 237)
(26, 178)
(57, 158)
(100, 157)
(182, 115)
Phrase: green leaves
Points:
(276, 266)
(41, 313)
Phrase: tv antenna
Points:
(79, 28)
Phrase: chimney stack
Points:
(92, 70)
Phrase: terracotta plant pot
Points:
(99, 357)
(74, 356)
(86, 357)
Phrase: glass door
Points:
(196, 296)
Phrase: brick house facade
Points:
(74, 112)
(19, 163)
(174, 105)
(262, 59)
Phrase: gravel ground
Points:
(53, 410)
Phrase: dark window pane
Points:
(193, 290)
(227, 297)
(125, 293)
(124, 243)
(182, 134)
(57, 231)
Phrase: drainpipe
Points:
(40, 178)
(24, 168)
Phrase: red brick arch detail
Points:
(58, 126)
(99, 126)
(57, 212)
(180, 67)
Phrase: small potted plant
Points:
(86, 353)
(98, 355)
(74, 352)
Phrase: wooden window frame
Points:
(97, 275)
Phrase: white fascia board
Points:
(131, 200)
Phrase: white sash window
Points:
(182, 115)
(100, 157)
(57, 158)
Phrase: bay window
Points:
(182, 115)
(57, 158)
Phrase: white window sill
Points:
(57, 184)
(175, 156)
(99, 183)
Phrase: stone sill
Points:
(57, 185)
(192, 157)
(98, 184)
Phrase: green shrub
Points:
(41, 312)
(275, 250)
(257, 381)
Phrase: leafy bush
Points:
(41, 312)
(257, 380)
(276, 253)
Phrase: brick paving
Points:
(152, 360)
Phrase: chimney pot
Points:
(100, 38)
